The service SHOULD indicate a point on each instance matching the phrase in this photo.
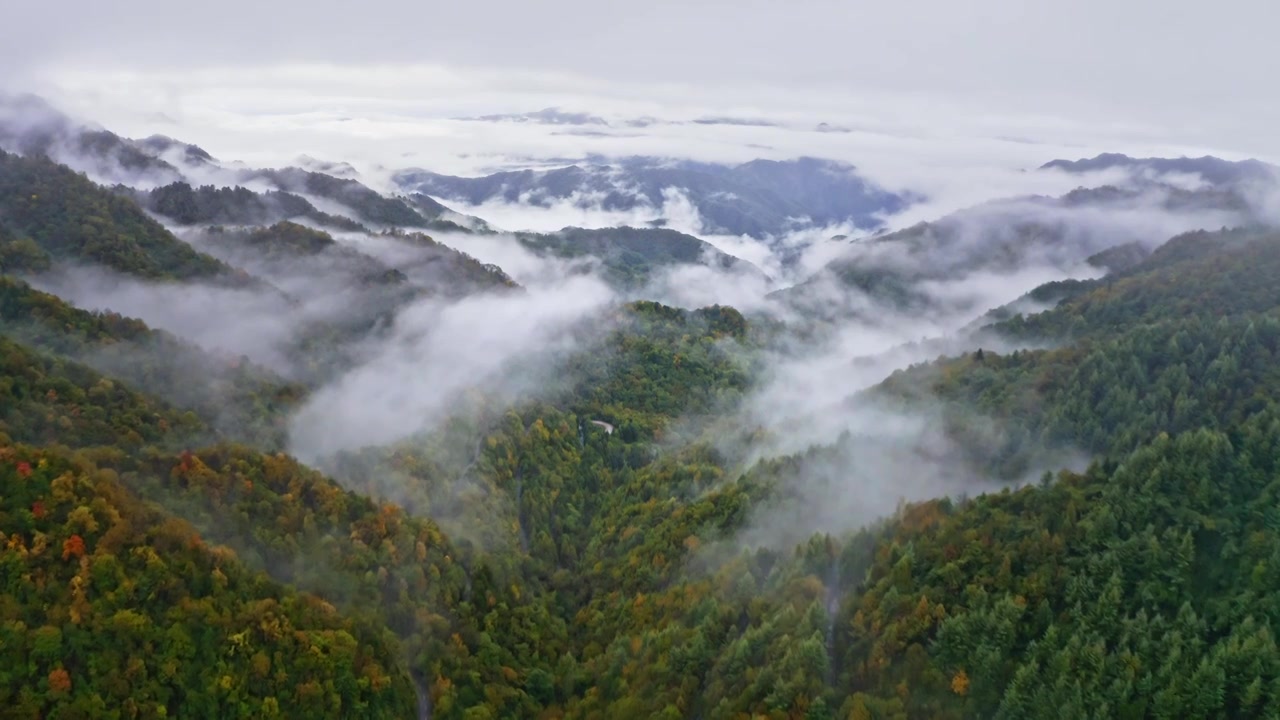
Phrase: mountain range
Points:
(1211, 170)
(285, 446)
(761, 199)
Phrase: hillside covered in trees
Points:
(597, 530)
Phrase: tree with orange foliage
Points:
(74, 545)
(59, 681)
(960, 683)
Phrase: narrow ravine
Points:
(833, 609)
(520, 521)
(475, 459)
(424, 697)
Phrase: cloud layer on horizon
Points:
(1091, 59)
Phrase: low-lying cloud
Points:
(858, 456)
(414, 372)
(224, 320)
(498, 344)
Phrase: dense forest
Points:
(583, 553)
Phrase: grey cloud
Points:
(1093, 60)
(495, 344)
(1088, 43)
(223, 320)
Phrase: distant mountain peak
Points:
(159, 144)
(340, 169)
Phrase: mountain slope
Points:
(236, 399)
(111, 605)
(71, 219)
(1131, 591)
(51, 400)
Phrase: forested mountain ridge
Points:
(67, 217)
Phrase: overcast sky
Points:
(1129, 75)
